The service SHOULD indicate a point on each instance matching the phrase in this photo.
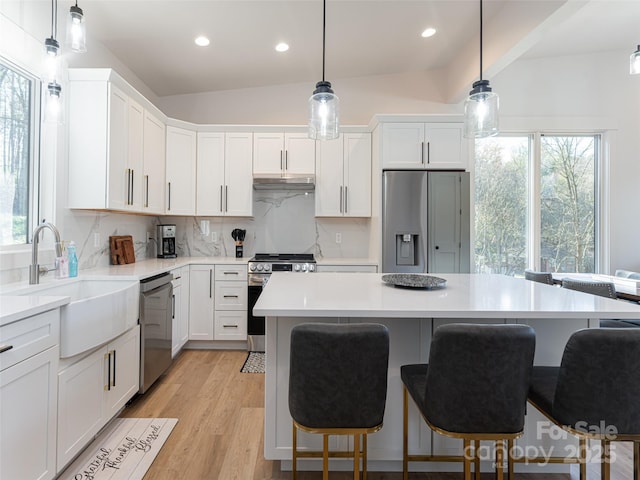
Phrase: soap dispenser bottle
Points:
(73, 259)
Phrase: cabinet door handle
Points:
(221, 204)
(132, 171)
(173, 306)
(422, 153)
(146, 200)
(114, 369)
(169, 208)
(341, 201)
(4, 348)
(346, 199)
(281, 162)
(286, 159)
(128, 202)
(428, 152)
(226, 198)
(107, 357)
(210, 283)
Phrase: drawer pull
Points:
(230, 273)
(230, 326)
(4, 348)
(230, 296)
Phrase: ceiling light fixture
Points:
(428, 32)
(481, 107)
(76, 30)
(282, 47)
(52, 65)
(202, 41)
(53, 112)
(323, 104)
(634, 62)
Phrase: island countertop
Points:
(464, 296)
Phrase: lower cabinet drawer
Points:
(230, 325)
(25, 338)
(231, 296)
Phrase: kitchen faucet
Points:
(34, 268)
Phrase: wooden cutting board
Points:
(121, 247)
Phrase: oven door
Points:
(255, 325)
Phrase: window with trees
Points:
(536, 203)
(17, 134)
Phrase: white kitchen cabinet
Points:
(92, 390)
(231, 292)
(201, 302)
(180, 324)
(283, 153)
(154, 164)
(100, 176)
(343, 176)
(29, 397)
(225, 181)
(180, 171)
(423, 146)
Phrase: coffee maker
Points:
(166, 241)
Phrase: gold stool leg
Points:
(499, 459)
(476, 459)
(356, 456)
(510, 472)
(466, 459)
(325, 457)
(294, 472)
(364, 456)
(582, 457)
(605, 471)
(405, 434)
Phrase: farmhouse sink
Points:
(99, 310)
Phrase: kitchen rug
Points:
(254, 363)
(123, 451)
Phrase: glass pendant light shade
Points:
(76, 30)
(481, 111)
(52, 61)
(54, 108)
(634, 62)
(324, 109)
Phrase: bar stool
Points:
(338, 386)
(541, 277)
(602, 289)
(474, 387)
(596, 385)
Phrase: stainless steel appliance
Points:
(260, 268)
(166, 241)
(156, 314)
(425, 222)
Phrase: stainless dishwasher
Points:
(156, 314)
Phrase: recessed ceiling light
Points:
(202, 41)
(282, 47)
(429, 32)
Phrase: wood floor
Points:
(219, 434)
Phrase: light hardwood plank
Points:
(219, 435)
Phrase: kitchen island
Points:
(411, 316)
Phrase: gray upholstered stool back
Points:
(478, 377)
(599, 379)
(541, 277)
(338, 375)
(602, 289)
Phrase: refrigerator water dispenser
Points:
(407, 249)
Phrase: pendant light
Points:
(323, 104)
(481, 107)
(52, 72)
(53, 108)
(634, 62)
(76, 30)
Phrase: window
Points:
(17, 135)
(536, 203)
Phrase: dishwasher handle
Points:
(151, 283)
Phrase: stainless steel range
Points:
(260, 268)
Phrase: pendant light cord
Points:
(54, 18)
(324, 28)
(480, 40)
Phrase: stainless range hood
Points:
(286, 182)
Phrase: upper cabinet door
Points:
(299, 154)
(181, 171)
(357, 174)
(154, 164)
(210, 181)
(329, 178)
(238, 177)
(403, 145)
(135, 168)
(268, 153)
(119, 177)
(445, 146)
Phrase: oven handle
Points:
(257, 280)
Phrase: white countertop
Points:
(465, 296)
(17, 307)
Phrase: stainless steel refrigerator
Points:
(425, 222)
